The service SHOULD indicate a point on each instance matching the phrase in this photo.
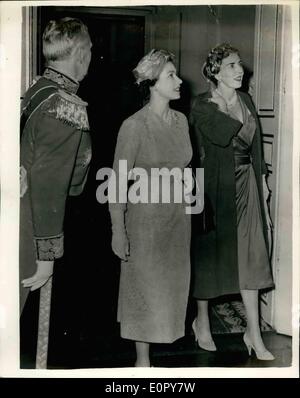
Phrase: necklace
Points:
(232, 101)
(167, 119)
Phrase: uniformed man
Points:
(55, 150)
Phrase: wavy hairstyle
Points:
(149, 68)
(60, 37)
(214, 60)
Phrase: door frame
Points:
(271, 99)
(29, 47)
(31, 34)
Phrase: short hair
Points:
(60, 37)
(149, 68)
(214, 60)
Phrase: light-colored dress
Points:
(154, 282)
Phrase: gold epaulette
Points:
(68, 108)
(72, 98)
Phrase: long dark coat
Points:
(214, 250)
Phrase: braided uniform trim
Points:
(69, 109)
(49, 249)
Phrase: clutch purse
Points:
(204, 222)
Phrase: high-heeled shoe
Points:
(264, 355)
(205, 345)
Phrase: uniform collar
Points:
(65, 82)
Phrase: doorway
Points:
(118, 44)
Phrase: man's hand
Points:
(43, 273)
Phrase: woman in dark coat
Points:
(231, 254)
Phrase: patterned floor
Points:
(229, 317)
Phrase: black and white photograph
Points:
(149, 164)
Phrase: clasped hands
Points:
(43, 272)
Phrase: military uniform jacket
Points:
(54, 157)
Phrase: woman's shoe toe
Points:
(207, 345)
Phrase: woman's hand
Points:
(219, 100)
(266, 193)
(23, 181)
(120, 244)
(43, 273)
(266, 190)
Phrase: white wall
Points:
(284, 217)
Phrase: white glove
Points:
(43, 273)
(266, 193)
(120, 243)
(266, 190)
(23, 181)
